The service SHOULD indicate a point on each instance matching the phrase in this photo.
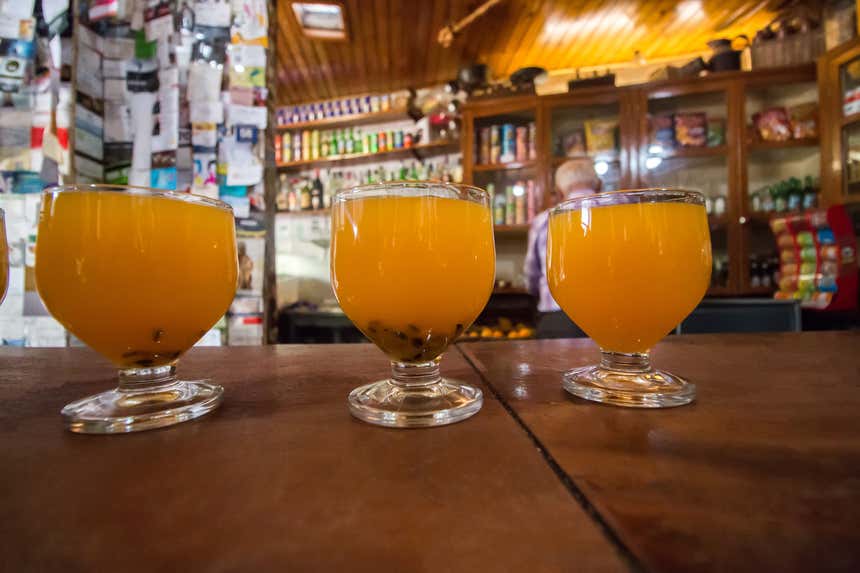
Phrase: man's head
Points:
(576, 177)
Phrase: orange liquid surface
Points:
(137, 278)
(628, 274)
(412, 272)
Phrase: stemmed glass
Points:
(627, 267)
(139, 275)
(412, 265)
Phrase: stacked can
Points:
(508, 152)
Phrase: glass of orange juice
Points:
(627, 267)
(412, 265)
(139, 276)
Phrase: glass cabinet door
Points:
(590, 132)
(849, 80)
(783, 164)
(685, 146)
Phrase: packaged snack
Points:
(773, 124)
(691, 129)
(574, 143)
(804, 120)
(600, 136)
(716, 131)
(662, 130)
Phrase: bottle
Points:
(305, 198)
(283, 189)
(795, 194)
(382, 144)
(510, 206)
(413, 172)
(457, 175)
(755, 272)
(810, 194)
(373, 143)
(315, 144)
(297, 146)
(316, 191)
(520, 203)
(340, 143)
(358, 141)
(404, 172)
(278, 153)
(499, 209)
(349, 144)
(292, 197)
(324, 144)
(286, 148)
(306, 144)
(531, 203)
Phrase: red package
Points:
(773, 124)
(691, 129)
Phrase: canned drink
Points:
(286, 147)
(374, 104)
(532, 138)
(495, 144)
(508, 153)
(521, 145)
(484, 145)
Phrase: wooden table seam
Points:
(567, 481)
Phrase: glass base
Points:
(628, 380)
(134, 407)
(415, 397)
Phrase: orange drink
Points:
(139, 276)
(628, 274)
(412, 265)
(412, 272)
(627, 267)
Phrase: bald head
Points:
(576, 177)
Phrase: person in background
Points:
(574, 178)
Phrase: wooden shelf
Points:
(422, 149)
(511, 229)
(504, 166)
(849, 119)
(716, 221)
(556, 161)
(344, 120)
(791, 143)
(685, 152)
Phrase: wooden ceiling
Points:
(393, 43)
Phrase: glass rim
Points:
(626, 196)
(464, 191)
(139, 190)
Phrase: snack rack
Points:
(818, 258)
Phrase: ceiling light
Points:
(321, 20)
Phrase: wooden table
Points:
(280, 478)
(760, 475)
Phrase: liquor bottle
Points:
(457, 175)
(315, 144)
(292, 197)
(278, 142)
(795, 194)
(306, 145)
(305, 198)
(349, 144)
(810, 194)
(358, 141)
(339, 141)
(499, 209)
(510, 206)
(324, 144)
(520, 203)
(373, 143)
(404, 172)
(381, 144)
(316, 191)
(286, 147)
(413, 173)
(283, 188)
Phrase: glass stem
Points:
(151, 379)
(416, 375)
(633, 363)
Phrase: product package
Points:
(691, 129)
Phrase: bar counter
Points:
(760, 474)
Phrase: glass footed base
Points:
(386, 403)
(123, 410)
(628, 380)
